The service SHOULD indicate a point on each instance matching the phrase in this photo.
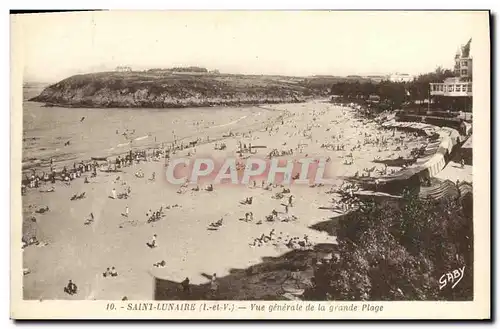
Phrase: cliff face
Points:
(145, 89)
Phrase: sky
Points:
(55, 46)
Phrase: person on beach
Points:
(153, 243)
(71, 288)
(290, 201)
(126, 211)
(113, 193)
(107, 273)
(161, 264)
(90, 220)
(214, 286)
(185, 286)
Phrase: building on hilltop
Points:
(455, 93)
(123, 69)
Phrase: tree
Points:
(399, 252)
(393, 93)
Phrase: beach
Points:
(71, 250)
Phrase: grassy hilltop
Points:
(164, 89)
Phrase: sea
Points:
(66, 135)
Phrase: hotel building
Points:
(455, 93)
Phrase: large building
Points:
(400, 77)
(455, 93)
(394, 77)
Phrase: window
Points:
(469, 87)
(464, 63)
(450, 88)
(464, 87)
(464, 72)
(441, 87)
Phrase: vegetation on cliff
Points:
(401, 252)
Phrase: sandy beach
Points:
(68, 249)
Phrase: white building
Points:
(400, 77)
(453, 87)
(455, 93)
(123, 69)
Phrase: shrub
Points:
(399, 252)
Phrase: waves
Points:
(230, 123)
(128, 143)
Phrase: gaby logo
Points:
(241, 172)
(453, 277)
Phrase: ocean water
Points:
(98, 132)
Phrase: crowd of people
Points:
(281, 239)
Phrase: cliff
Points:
(171, 90)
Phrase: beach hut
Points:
(435, 164)
(444, 189)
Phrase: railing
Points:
(451, 89)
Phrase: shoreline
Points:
(176, 105)
(104, 153)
